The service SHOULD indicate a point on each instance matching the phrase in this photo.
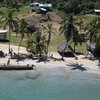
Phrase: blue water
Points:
(49, 84)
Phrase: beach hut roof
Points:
(65, 46)
(3, 31)
(62, 46)
(90, 45)
(96, 10)
(45, 5)
(68, 52)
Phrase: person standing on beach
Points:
(8, 62)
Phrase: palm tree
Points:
(93, 29)
(22, 30)
(69, 30)
(49, 31)
(37, 44)
(93, 33)
(9, 21)
(25, 29)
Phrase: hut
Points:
(3, 35)
(97, 11)
(94, 50)
(65, 50)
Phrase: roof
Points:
(45, 5)
(43, 9)
(3, 31)
(96, 10)
(63, 46)
(34, 4)
(90, 44)
(94, 50)
(65, 50)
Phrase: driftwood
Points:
(15, 67)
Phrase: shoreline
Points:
(82, 64)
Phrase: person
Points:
(76, 58)
(11, 52)
(33, 66)
(27, 65)
(8, 62)
(4, 64)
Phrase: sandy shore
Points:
(82, 64)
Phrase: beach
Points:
(82, 64)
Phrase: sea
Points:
(49, 84)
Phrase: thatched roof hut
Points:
(65, 50)
(94, 50)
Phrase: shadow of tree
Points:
(77, 66)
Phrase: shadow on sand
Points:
(76, 66)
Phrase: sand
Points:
(88, 66)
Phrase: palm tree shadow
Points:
(76, 66)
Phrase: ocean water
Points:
(49, 84)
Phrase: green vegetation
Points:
(74, 20)
(7, 20)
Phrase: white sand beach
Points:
(89, 66)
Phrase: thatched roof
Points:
(90, 46)
(62, 46)
(65, 50)
(95, 51)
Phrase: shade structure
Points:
(94, 50)
(65, 50)
(3, 35)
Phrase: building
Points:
(3, 35)
(34, 4)
(97, 11)
(42, 7)
(65, 50)
(94, 50)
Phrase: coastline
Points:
(70, 64)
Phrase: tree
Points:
(8, 21)
(93, 33)
(25, 29)
(22, 30)
(36, 44)
(69, 30)
(49, 31)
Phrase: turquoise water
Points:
(49, 84)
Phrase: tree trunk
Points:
(63, 52)
(39, 57)
(9, 39)
(48, 42)
(19, 45)
(74, 47)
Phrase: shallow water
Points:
(49, 84)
